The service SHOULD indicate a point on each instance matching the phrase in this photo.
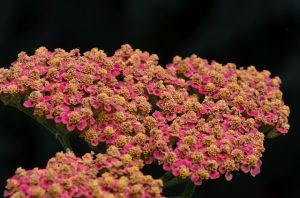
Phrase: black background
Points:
(264, 33)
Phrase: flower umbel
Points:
(101, 175)
(198, 119)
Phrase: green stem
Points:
(64, 141)
(269, 131)
(59, 132)
(173, 182)
(101, 148)
(189, 190)
(167, 176)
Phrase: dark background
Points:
(264, 33)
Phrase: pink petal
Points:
(96, 105)
(66, 100)
(91, 89)
(115, 72)
(92, 121)
(259, 163)
(156, 114)
(95, 142)
(171, 116)
(70, 127)
(255, 171)
(57, 119)
(199, 182)
(187, 74)
(175, 172)
(215, 175)
(166, 167)
(245, 169)
(47, 98)
(159, 104)
(107, 107)
(27, 104)
(65, 119)
(222, 170)
(100, 127)
(281, 129)
(158, 155)
(81, 125)
(195, 178)
(228, 176)
(156, 92)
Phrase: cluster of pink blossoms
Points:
(198, 119)
(99, 176)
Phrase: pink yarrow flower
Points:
(101, 175)
(199, 119)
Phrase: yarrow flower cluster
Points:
(99, 176)
(197, 119)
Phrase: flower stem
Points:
(189, 190)
(167, 176)
(64, 141)
(173, 182)
(101, 148)
(60, 133)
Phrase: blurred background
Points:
(250, 32)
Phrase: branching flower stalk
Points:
(197, 119)
(59, 131)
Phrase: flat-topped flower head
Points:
(101, 175)
(219, 126)
(89, 91)
(253, 94)
(198, 119)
